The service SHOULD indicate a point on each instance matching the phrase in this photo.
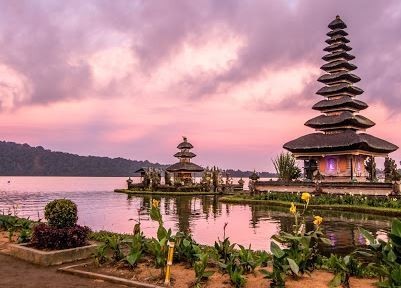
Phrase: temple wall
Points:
(338, 168)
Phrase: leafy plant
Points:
(158, 247)
(247, 259)
(224, 249)
(235, 271)
(200, 269)
(286, 167)
(343, 268)
(49, 237)
(100, 254)
(61, 213)
(300, 253)
(186, 248)
(385, 257)
(136, 249)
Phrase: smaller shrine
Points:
(184, 170)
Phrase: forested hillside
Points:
(24, 160)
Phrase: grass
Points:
(392, 212)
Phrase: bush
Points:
(61, 213)
(50, 237)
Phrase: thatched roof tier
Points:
(345, 141)
(337, 24)
(338, 77)
(337, 46)
(339, 89)
(338, 55)
(337, 38)
(184, 167)
(254, 176)
(344, 102)
(344, 119)
(339, 64)
(335, 32)
(184, 154)
(185, 144)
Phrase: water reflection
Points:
(204, 217)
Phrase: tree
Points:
(370, 166)
(286, 167)
(390, 170)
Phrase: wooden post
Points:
(352, 168)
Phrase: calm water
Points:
(102, 209)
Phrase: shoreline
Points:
(176, 193)
(392, 212)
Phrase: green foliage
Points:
(346, 199)
(286, 167)
(343, 268)
(137, 245)
(200, 269)
(385, 256)
(14, 224)
(224, 249)
(113, 244)
(61, 213)
(186, 248)
(390, 170)
(100, 254)
(247, 259)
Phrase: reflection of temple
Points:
(338, 150)
(184, 170)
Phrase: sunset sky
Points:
(128, 78)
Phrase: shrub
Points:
(50, 237)
(61, 213)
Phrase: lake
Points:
(204, 216)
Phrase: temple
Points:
(184, 170)
(340, 147)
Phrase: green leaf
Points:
(368, 236)
(186, 243)
(391, 256)
(161, 233)
(326, 241)
(336, 281)
(276, 250)
(294, 267)
(396, 227)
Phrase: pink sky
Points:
(238, 78)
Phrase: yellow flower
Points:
(318, 220)
(155, 203)
(293, 208)
(306, 197)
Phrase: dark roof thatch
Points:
(338, 89)
(345, 118)
(339, 76)
(142, 170)
(347, 140)
(337, 38)
(254, 176)
(337, 55)
(337, 24)
(337, 46)
(336, 32)
(184, 167)
(185, 144)
(341, 103)
(185, 154)
(335, 65)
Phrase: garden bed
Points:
(52, 257)
(183, 277)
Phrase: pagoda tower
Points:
(339, 148)
(184, 170)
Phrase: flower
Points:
(293, 208)
(306, 197)
(155, 203)
(318, 220)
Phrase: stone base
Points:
(50, 258)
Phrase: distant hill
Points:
(24, 160)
